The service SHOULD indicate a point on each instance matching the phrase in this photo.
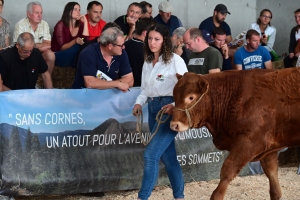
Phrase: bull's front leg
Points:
(235, 161)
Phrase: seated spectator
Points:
(252, 55)
(294, 40)
(35, 25)
(178, 45)
(207, 36)
(105, 65)
(166, 18)
(219, 42)
(4, 29)
(146, 9)
(127, 22)
(21, 65)
(135, 49)
(203, 59)
(68, 35)
(93, 16)
(96, 40)
(266, 31)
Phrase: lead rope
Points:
(186, 110)
(139, 124)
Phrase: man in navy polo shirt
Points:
(217, 20)
(105, 64)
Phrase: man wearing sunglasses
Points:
(21, 65)
(105, 64)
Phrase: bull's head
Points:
(189, 111)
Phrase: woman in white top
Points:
(158, 80)
(266, 31)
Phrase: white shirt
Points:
(160, 79)
(270, 32)
(297, 35)
(42, 32)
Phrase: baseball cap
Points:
(206, 36)
(222, 9)
(165, 6)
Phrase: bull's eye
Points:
(191, 98)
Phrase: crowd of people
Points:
(135, 50)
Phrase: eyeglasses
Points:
(268, 17)
(122, 45)
(25, 51)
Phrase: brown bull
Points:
(252, 114)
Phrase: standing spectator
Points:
(158, 80)
(35, 25)
(252, 55)
(93, 16)
(127, 22)
(219, 42)
(146, 9)
(217, 20)
(178, 45)
(105, 65)
(266, 31)
(166, 18)
(294, 39)
(135, 49)
(68, 35)
(21, 65)
(203, 59)
(4, 29)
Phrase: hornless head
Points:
(190, 96)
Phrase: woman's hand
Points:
(82, 18)
(291, 55)
(136, 109)
(168, 108)
(79, 41)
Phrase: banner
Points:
(79, 141)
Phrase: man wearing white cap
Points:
(166, 18)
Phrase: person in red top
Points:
(93, 16)
(69, 33)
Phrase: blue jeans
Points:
(67, 58)
(162, 146)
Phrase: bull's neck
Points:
(224, 94)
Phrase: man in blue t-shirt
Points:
(252, 55)
(104, 65)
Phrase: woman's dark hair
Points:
(298, 26)
(261, 13)
(2, 1)
(67, 14)
(166, 48)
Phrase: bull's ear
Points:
(203, 83)
(178, 76)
